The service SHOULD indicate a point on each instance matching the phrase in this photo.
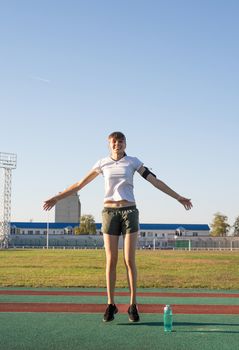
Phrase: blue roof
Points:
(43, 225)
(62, 225)
(187, 227)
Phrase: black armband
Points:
(147, 172)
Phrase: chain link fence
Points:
(96, 242)
(194, 243)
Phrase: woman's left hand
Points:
(185, 202)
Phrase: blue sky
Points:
(163, 72)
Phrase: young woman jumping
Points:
(120, 215)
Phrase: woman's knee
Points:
(111, 261)
(130, 262)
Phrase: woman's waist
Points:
(118, 204)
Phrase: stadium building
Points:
(63, 234)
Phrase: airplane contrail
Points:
(41, 79)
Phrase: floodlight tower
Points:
(8, 161)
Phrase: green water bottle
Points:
(168, 318)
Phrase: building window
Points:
(30, 232)
(142, 234)
(195, 234)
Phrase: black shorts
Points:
(121, 220)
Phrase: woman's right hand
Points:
(48, 204)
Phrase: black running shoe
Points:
(109, 312)
(133, 313)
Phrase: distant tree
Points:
(236, 227)
(87, 225)
(77, 230)
(220, 226)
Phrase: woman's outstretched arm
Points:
(150, 177)
(49, 203)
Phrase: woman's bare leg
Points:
(111, 252)
(130, 244)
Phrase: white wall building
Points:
(68, 209)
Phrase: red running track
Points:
(96, 308)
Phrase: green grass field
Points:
(86, 268)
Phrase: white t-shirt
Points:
(118, 176)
